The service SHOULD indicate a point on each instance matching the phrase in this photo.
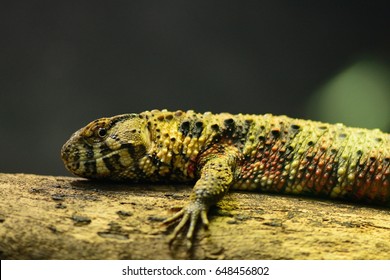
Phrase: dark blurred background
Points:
(65, 63)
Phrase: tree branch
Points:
(44, 217)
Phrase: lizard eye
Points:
(102, 132)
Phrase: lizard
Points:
(218, 152)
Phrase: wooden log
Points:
(45, 217)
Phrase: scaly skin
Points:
(245, 152)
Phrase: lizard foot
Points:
(188, 214)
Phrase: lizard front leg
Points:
(216, 170)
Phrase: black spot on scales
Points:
(104, 149)
(169, 117)
(275, 133)
(322, 127)
(120, 119)
(112, 162)
(135, 152)
(295, 127)
(191, 128)
(229, 123)
(90, 167)
(215, 127)
(197, 129)
(184, 128)
(230, 127)
(89, 151)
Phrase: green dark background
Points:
(65, 63)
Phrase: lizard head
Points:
(108, 148)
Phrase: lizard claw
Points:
(188, 214)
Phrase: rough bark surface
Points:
(43, 217)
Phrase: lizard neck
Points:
(177, 138)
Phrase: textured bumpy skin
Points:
(245, 152)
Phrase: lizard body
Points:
(244, 152)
